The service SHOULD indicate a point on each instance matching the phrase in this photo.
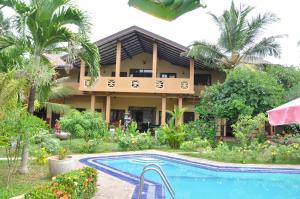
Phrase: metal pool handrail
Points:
(162, 176)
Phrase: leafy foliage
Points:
(288, 77)
(205, 129)
(75, 184)
(244, 128)
(244, 92)
(239, 40)
(141, 141)
(86, 125)
(166, 9)
(174, 136)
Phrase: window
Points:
(99, 110)
(188, 117)
(168, 75)
(122, 74)
(140, 73)
(202, 79)
(80, 109)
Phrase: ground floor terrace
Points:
(147, 110)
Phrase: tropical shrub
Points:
(75, 184)
(132, 128)
(244, 92)
(41, 156)
(195, 144)
(286, 76)
(174, 136)
(135, 142)
(47, 141)
(201, 128)
(244, 128)
(86, 125)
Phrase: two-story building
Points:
(143, 74)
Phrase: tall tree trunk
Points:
(25, 150)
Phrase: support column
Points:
(107, 109)
(82, 74)
(180, 106)
(192, 72)
(154, 61)
(93, 102)
(118, 59)
(163, 110)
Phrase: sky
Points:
(111, 16)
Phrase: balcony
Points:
(139, 85)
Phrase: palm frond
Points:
(72, 15)
(266, 47)
(58, 108)
(90, 56)
(208, 53)
(61, 91)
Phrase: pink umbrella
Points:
(288, 113)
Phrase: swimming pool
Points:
(192, 180)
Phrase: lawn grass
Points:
(20, 184)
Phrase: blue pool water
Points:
(195, 181)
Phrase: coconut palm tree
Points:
(239, 39)
(48, 26)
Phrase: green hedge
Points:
(75, 184)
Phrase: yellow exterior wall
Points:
(144, 61)
(140, 61)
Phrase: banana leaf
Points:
(166, 9)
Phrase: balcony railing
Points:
(139, 85)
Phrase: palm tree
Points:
(45, 27)
(239, 39)
(176, 115)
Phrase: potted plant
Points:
(61, 163)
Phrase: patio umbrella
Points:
(288, 113)
(166, 9)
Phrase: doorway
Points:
(143, 116)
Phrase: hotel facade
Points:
(141, 73)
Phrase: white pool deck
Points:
(110, 187)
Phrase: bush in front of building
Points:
(172, 135)
(141, 141)
(75, 184)
(86, 125)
